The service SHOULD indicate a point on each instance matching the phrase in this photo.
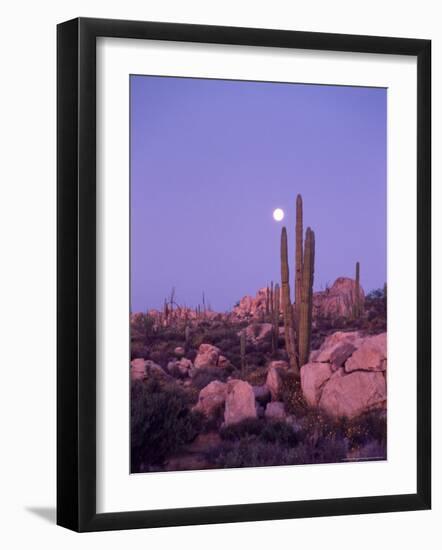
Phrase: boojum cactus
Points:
(287, 310)
(306, 305)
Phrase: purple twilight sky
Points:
(212, 159)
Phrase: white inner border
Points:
(116, 489)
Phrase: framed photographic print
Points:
(243, 274)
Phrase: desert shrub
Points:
(371, 450)
(249, 452)
(138, 349)
(245, 428)
(279, 432)
(291, 394)
(371, 426)
(204, 376)
(161, 422)
(256, 375)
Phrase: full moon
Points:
(278, 214)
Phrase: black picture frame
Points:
(76, 274)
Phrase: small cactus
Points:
(187, 336)
(242, 345)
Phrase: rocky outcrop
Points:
(338, 300)
(240, 402)
(370, 355)
(346, 376)
(207, 356)
(211, 398)
(252, 307)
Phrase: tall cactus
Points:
(357, 300)
(275, 319)
(287, 310)
(298, 262)
(242, 346)
(306, 306)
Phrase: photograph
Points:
(258, 274)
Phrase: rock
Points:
(223, 362)
(138, 369)
(207, 356)
(275, 410)
(371, 355)
(141, 369)
(184, 365)
(337, 301)
(211, 398)
(240, 402)
(339, 355)
(274, 380)
(258, 332)
(332, 344)
(352, 394)
(252, 307)
(313, 378)
(262, 393)
(179, 351)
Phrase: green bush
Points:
(161, 422)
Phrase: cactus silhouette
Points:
(298, 262)
(275, 319)
(287, 310)
(306, 306)
(242, 345)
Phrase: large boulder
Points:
(346, 376)
(313, 378)
(141, 369)
(211, 398)
(207, 356)
(274, 377)
(334, 344)
(352, 394)
(240, 402)
(370, 355)
(337, 301)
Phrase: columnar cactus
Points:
(275, 320)
(287, 310)
(306, 306)
(242, 345)
(299, 262)
(187, 336)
